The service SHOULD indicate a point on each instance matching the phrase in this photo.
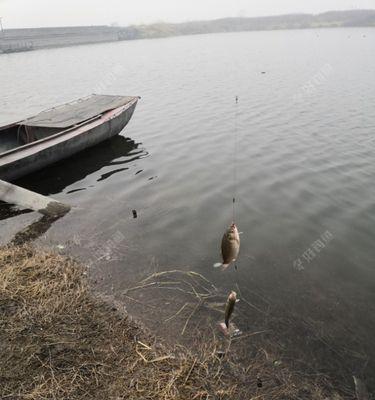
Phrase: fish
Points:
(229, 307)
(230, 247)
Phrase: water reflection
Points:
(304, 168)
(55, 178)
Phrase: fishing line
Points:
(235, 160)
(235, 164)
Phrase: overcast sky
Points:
(34, 13)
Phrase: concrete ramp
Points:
(27, 199)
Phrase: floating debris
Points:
(135, 215)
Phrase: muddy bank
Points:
(60, 340)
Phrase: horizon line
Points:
(190, 21)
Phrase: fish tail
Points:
(221, 266)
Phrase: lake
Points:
(297, 151)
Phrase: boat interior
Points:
(65, 117)
(18, 135)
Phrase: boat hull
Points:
(34, 157)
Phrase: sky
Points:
(38, 13)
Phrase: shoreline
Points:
(62, 339)
(87, 43)
(28, 39)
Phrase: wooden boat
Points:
(60, 132)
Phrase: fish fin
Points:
(218, 265)
(224, 266)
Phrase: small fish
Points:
(229, 307)
(230, 247)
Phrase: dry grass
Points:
(59, 341)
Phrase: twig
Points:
(190, 371)
(187, 321)
(139, 287)
(141, 355)
(158, 359)
(176, 271)
(177, 313)
(144, 345)
(250, 334)
(139, 302)
(201, 296)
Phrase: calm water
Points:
(305, 179)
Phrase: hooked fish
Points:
(229, 307)
(230, 247)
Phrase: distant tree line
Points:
(360, 18)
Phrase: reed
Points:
(59, 340)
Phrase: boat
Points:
(58, 133)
